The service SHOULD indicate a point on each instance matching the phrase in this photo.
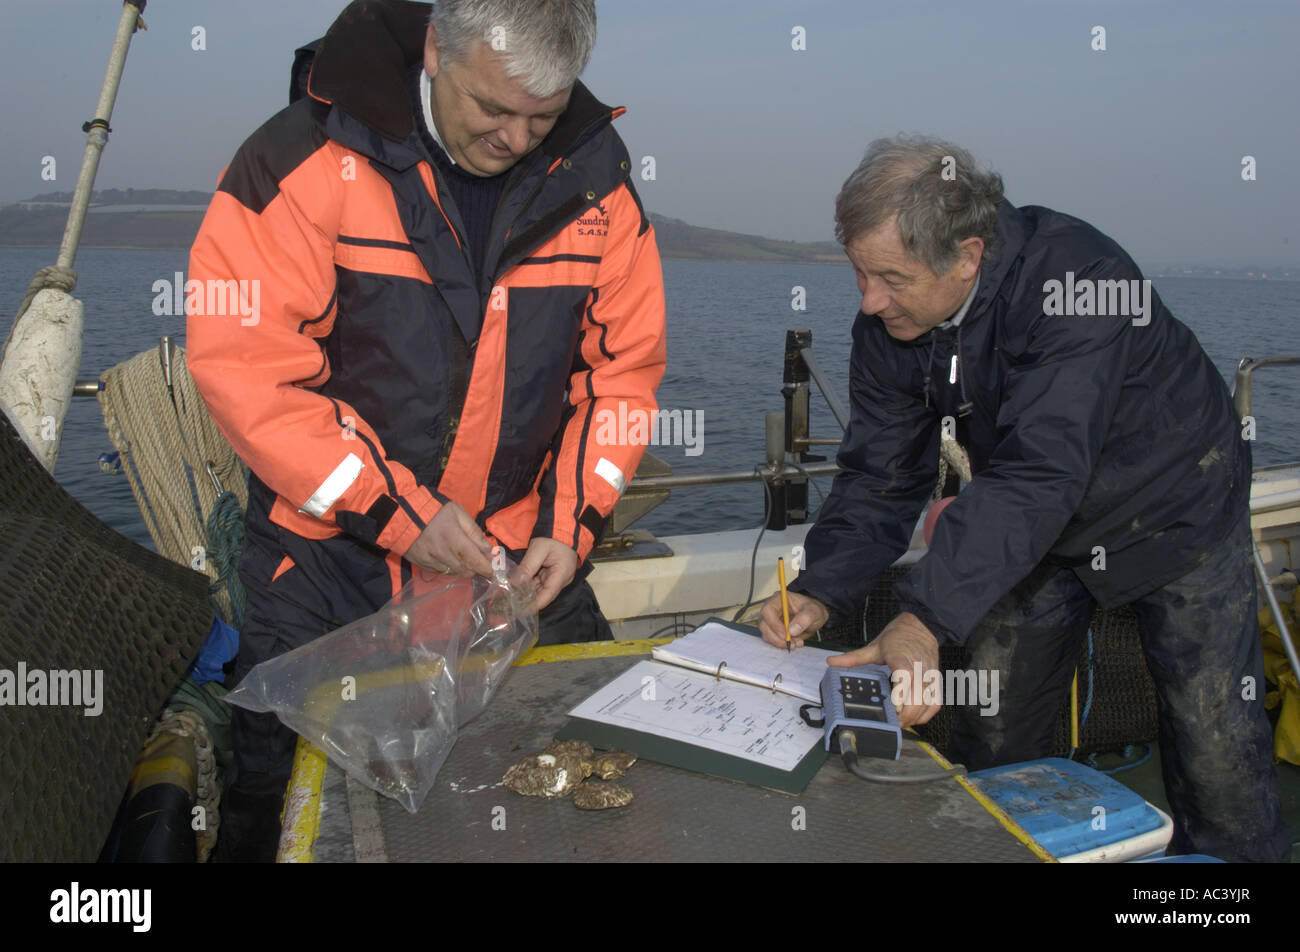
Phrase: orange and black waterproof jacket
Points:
(377, 376)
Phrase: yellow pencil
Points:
(785, 600)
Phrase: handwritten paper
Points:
(683, 705)
(749, 659)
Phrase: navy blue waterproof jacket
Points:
(1088, 436)
(381, 375)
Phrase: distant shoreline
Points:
(160, 220)
(91, 246)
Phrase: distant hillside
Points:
(117, 220)
(680, 241)
(169, 219)
(42, 227)
(132, 196)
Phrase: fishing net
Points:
(119, 626)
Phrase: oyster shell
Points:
(612, 764)
(547, 775)
(598, 795)
(575, 748)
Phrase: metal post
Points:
(97, 130)
(1241, 390)
(836, 408)
(39, 360)
(790, 498)
(1271, 597)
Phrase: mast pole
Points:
(39, 361)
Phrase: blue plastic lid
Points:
(1067, 807)
(1184, 858)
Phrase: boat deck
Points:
(677, 816)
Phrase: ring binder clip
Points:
(717, 675)
(775, 681)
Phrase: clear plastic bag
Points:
(384, 696)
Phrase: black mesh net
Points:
(75, 596)
(1123, 709)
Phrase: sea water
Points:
(727, 323)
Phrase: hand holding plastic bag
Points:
(384, 696)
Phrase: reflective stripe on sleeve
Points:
(611, 474)
(335, 485)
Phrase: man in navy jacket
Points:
(1107, 465)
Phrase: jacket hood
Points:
(365, 58)
(1007, 245)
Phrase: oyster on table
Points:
(577, 748)
(612, 764)
(599, 795)
(547, 775)
(560, 769)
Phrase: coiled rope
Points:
(182, 722)
(174, 458)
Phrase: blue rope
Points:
(1129, 751)
(1087, 705)
(225, 542)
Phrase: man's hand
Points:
(551, 566)
(806, 616)
(904, 641)
(452, 544)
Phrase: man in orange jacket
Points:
(437, 273)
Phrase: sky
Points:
(1145, 139)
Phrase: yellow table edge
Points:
(1012, 827)
(303, 797)
(301, 817)
(544, 654)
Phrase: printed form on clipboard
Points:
(727, 653)
(676, 710)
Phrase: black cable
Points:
(671, 626)
(753, 556)
(808, 476)
(849, 753)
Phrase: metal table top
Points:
(676, 816)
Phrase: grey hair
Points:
(940, 196)
(546, 42)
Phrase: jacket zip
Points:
(462, 350)
(954, 374)
(463, 357)
(507, 246)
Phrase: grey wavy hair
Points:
(545, 42)
(941, 198)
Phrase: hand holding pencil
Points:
(806, 615)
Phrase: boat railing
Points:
(788, 467)
(1242, 390)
